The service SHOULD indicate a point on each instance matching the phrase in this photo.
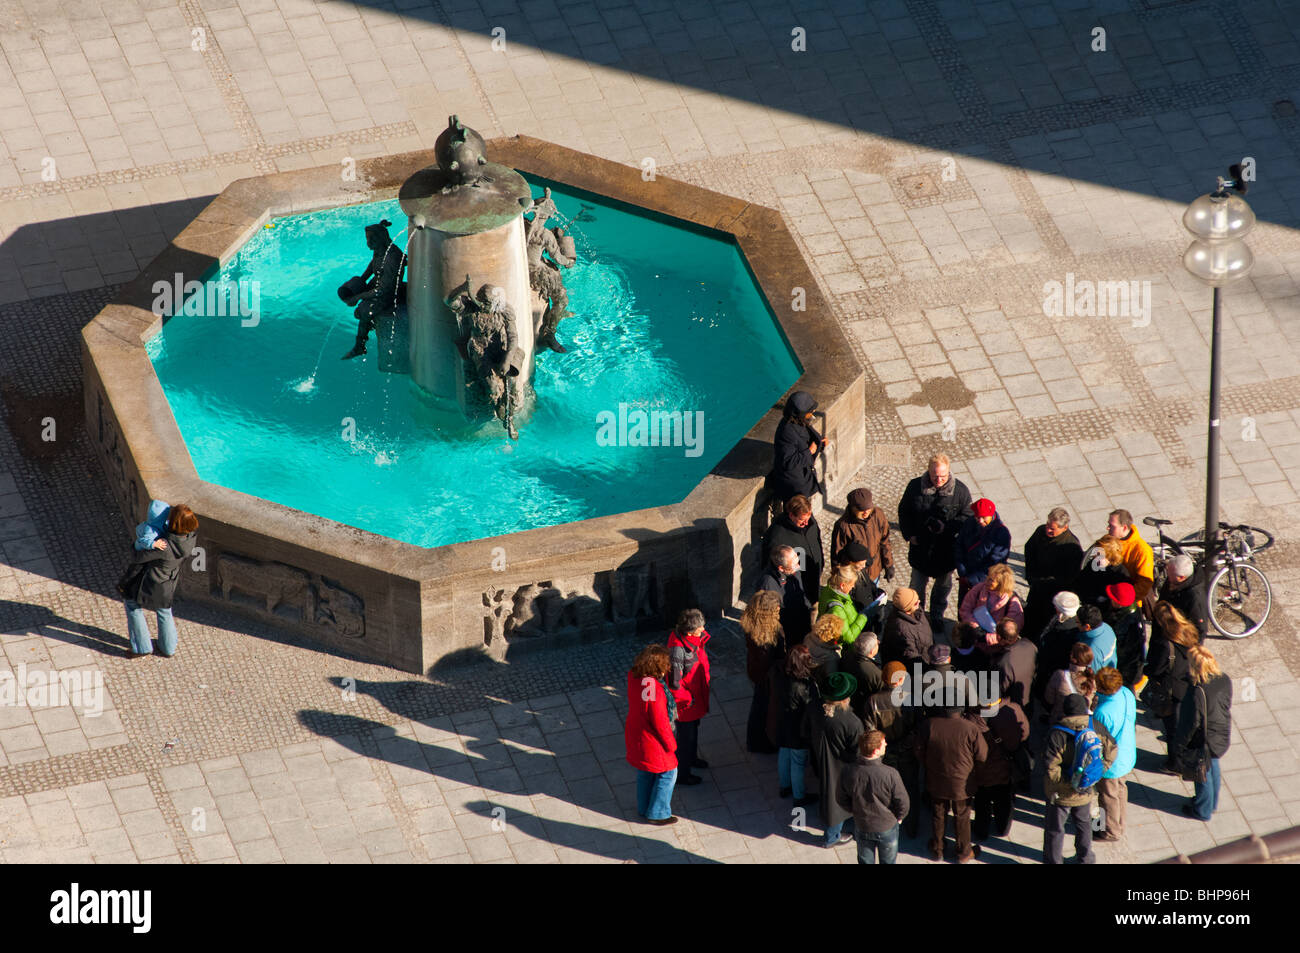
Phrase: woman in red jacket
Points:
(648, 734)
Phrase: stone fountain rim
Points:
(114, 343)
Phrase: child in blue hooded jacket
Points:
(154, 526)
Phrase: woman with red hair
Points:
(648, 734)
(150, 583)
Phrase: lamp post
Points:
(1217, 256)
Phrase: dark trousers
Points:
(1054, 833)
(1130, 654)
(688, 743)
(960, 808)
(903, 760)
(365, 316)
(1038, 612)
(1170, 724)
(993, 811)
(756, 739)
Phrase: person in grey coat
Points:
(150, 583)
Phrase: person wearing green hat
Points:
(835, 734)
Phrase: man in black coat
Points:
(781, 575)
(1184, 589)
(1016, 659)
(930, 515)
(1053, 556)
(795, 446)
(798, 529)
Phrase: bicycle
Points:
(1238, 597)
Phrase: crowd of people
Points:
(834, 655)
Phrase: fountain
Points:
(466, 218)
(470, 483)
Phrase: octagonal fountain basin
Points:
(399, 523)
(673, 355)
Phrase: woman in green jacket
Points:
(835, 600)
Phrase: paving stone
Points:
(543, 735)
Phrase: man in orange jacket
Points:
(1138, 559)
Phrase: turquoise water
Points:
(664, 318)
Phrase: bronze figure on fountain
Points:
(376, 292)
(544, 273)
(488, 341)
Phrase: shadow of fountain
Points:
(54, 522)
(490, 765)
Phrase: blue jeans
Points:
(654, 794)
(1206, 800)
(833, 832)
(790, 769)
(139, 629)
(884, 841)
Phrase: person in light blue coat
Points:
(1098, 636)
(1116, 711)
(154, 527)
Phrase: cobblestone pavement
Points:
(938, 162)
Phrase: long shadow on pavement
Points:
(20, 615)
(490, 765)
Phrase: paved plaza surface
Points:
(938, 163)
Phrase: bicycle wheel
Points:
(1261, 539)
(1239, 600)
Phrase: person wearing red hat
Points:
(1125, 617)
(982, 542)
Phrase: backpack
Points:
(1089, 760)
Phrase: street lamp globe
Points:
(1218, 263)
(1218, 223)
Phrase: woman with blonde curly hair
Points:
(997, 595)
(1103, 566)
(824, 644)
(764, 638)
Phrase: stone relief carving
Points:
(566, 607)
(498, 614)
(631, 589)
(339, 609)
(318, 601)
